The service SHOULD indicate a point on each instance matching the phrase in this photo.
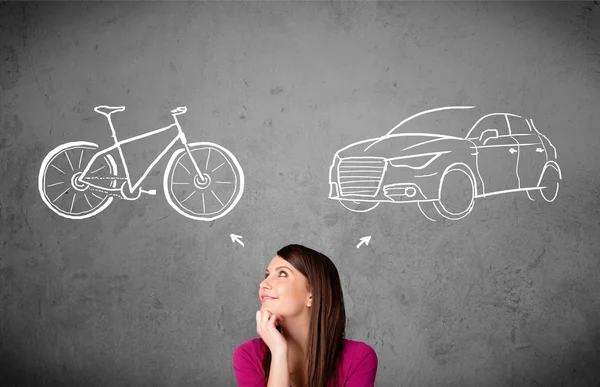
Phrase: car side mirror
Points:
(487, 135)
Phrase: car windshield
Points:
(449, 122)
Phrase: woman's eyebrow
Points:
(282, 267)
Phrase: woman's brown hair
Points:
(327, 318)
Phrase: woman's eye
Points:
(280, 273)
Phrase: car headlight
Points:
(419, 161)
(333, 168)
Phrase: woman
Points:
(301, 326)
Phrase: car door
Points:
(497, 154)
(532, 153)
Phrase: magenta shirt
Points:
(359, 364)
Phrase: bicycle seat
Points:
(108, 110)
(179, 110)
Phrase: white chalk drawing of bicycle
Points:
(202, 180)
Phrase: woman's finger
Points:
(265, 316)
(275, 320)
(258, 318)
(262, 319)
(271, 320)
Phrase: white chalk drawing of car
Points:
(444, 173)
(202, 180)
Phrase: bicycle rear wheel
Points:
(209, 198)
(60, 187)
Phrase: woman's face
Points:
(284, 291)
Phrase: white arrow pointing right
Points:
(364, 240)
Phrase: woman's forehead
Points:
(278, 261)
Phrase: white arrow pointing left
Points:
(236, 238)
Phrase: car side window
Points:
(486, 127)
(518, 125)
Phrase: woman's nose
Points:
(264, 284)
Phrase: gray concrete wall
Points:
(140, 295)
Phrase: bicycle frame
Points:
(132, 187)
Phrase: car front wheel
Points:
(357, 206)
(456, 195)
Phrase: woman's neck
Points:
(295, 332)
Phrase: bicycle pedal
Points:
(149, 192)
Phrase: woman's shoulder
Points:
(253, 348)
(247, 362)
(354, 347)
(359, 360)
(357, 351)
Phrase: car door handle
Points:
(512, 151)
(539, 150)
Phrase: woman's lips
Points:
(264, 299)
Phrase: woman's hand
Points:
(266, 327)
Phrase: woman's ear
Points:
(309, 303)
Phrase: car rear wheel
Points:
(549, 183)
(357, 206)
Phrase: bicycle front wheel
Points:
(208, 197)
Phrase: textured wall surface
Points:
(139, 295)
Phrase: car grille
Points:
(360, 175)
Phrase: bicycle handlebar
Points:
(179, 110)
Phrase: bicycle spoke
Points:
(80, 158)
(59, 170)
(189, 196)
(98, 196)
(179, 183)
(64, 192)
(73, 202)
(87, 200)
(213, 192)
(99, 169)
(207, 158)
(218, 167)
(203, 204)
(69, 160)
(179, 162)
(223, 182)
(52, 185)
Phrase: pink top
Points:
(359, 364)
